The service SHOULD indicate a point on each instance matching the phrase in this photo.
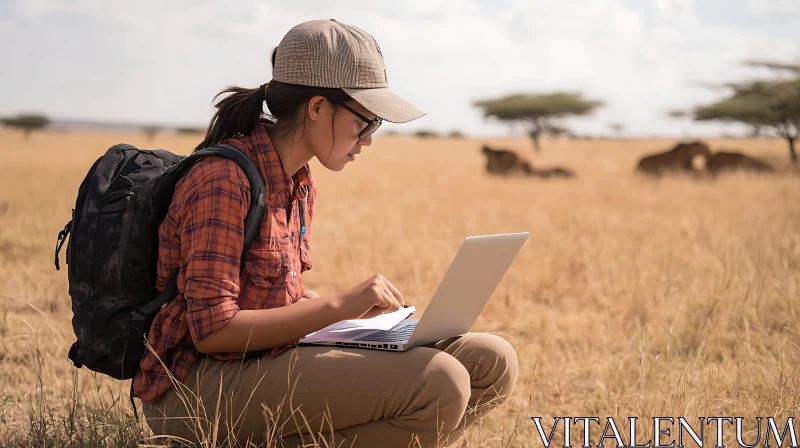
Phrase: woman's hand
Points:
(373, 297)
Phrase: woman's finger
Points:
(394, 305)
(396, 293)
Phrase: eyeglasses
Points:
(370, 128)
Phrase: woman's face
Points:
(333, 132)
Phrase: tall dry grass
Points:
(632, 297)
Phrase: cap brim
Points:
(385, 104)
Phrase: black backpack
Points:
(113, 250)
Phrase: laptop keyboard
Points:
(401, 334)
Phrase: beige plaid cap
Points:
(329, 53)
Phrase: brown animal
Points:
(550, 172)
(501, 161)
(505, 162)
(733, 161)
(678, 159)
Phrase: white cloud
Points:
(767, 7)
(676, 9)
(162, 61)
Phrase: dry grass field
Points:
(631, 297)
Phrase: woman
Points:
(225, 363)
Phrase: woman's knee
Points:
(494, 362)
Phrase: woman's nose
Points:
(366, 141)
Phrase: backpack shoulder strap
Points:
(252, 222)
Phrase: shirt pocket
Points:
(267, 265)
(305, 255)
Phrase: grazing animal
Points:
(501, 161)
(550, 172)
(505, 162)
(733, 161)
(680, 158)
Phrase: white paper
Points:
(383, 322)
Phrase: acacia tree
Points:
(28, 123)
(766, 105)
(677, 114)
(538, 111)
(773, 105)
(776, 66)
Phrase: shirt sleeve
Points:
(214, 230)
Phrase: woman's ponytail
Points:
(237, 114)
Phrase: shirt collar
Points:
(271, 167)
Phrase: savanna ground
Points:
(631, 297)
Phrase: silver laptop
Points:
(469, 282)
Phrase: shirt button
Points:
(294, 273)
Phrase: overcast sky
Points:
(159, 61)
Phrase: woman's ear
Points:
(315, 106)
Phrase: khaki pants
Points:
(341, 396)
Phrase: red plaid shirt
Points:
(203, 236)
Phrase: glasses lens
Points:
(370, 129)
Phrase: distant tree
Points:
(391, 132)
(616, 128)
(190, 130)
(27, 122)
(426, 133)
(678, 114)
(151, 131)
(776, 66)
(763, 104)
(537, 110)
(455, 134)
